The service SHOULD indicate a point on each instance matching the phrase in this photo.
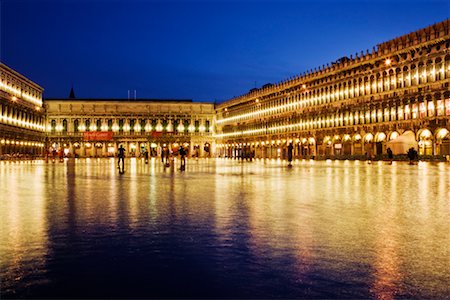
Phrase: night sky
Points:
(200, 50)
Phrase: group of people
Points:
(165, 157)
(54, 154)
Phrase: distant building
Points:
(21, 115)
(96, 127)
(396, 96)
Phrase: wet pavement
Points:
(224, 229)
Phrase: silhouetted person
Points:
(166, 156)
(412, 155)
(162, 154)
(121, 156)
(289, 153)
(183, 158)
(146, 156)
(390, 154)
(61, 154)
(54, 153)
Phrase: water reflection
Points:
(229, 228)
(23, 230)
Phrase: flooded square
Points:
(224, 229)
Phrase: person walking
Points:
(183, 158)
(166, 156)
(121, 156)
(390, 155)
(412, 155)
(61, 154)
(289, 154)
(146, 156)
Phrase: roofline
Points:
(119, 100)
(22, 77)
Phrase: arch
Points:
(424, 134)
(380, 137)
(356, 137)
(442, 142)
(442, 133)
(424, 138)
(393, 135)
(368, 138)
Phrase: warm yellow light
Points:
(425, 134)
(159, 127)
(393, 135)
(387, 62)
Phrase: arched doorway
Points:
(380, 139)
(425, 138)
(442, 142)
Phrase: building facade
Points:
(97, 127)
(396, 96)
(21, 115)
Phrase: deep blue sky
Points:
(201, 50)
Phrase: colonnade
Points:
(428, 142)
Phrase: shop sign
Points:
(98, 136)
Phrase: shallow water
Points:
(224, 229)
